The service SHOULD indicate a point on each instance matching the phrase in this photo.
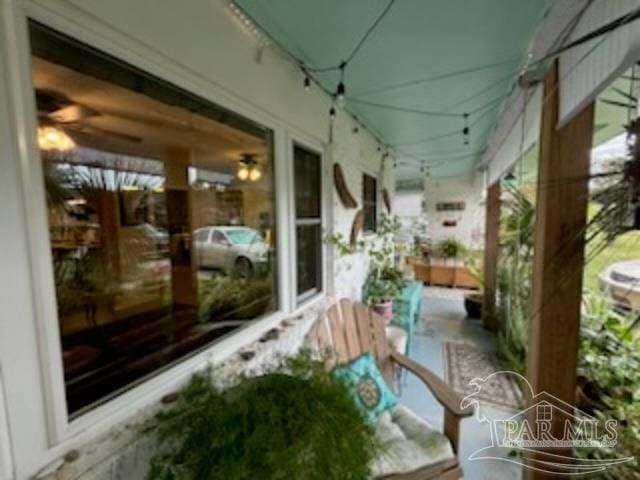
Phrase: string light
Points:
(307, 83)
(465, 130)
(341, 90)
(332, 112)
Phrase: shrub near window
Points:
(294, 422)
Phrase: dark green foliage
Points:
(293, 423)
(450, 248)
(515, 270)
(610, 362)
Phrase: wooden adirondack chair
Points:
(349, 329)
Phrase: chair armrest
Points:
(449, 399)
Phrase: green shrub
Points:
(450, 248)
(610, 359)
(295, 422)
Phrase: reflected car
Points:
(232, 249)
(622, 281)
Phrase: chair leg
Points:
(452, 429)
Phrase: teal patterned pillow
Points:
(367, 386)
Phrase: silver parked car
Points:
(230, 248)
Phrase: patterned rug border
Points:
(483, 396)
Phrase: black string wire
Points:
(434, 78)
(403, 109)
(369, 31)
(451, 133)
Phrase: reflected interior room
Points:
(161, 217)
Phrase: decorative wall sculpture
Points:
(346, 198)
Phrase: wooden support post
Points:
(561, 208)
(491, 251)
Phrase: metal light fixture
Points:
(54, 138)
(248, 168)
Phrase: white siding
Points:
(589, 68)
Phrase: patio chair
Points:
(413, 450)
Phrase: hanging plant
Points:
(620, 197)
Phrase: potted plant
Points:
(473, 301)
(383, 286)
(450, 248)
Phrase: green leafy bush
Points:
(450, 248)
(610, 360)
(295, 422)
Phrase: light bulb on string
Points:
(465, 130)
(342, 89)
(332, 112)
(307, 83)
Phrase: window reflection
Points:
(159, 244)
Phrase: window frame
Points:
(303, 297)
(60, 428)
(376, 203)
(301, 141)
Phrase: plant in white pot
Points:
(385, 281)
(382, 288)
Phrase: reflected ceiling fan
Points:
(58, 110)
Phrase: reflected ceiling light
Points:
(248, 168)
(243, 172)
(255, 174)
(54, 138)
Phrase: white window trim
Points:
(60, 432)
(299, 139)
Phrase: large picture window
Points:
(370, 203)
(308, 200)
(161, 217)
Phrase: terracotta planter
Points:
(385, 310)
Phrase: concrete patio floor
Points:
(443, 320)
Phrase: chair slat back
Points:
(349, 329)
(337, 333)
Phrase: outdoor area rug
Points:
(464, 363)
